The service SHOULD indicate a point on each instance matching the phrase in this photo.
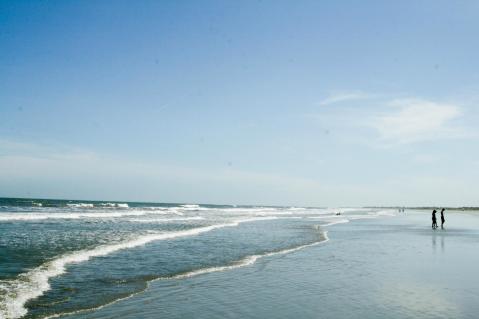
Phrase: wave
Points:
(248, 209)
(34, 283)
(78, 215)
(99, 213)
(115, 205)
(43, 216)
(102, 205)
(244, 262)
(164, 220)
(266, 213)
(102, 214)
(81, 205)
(155, 208)
(297, 208)
(192, 207)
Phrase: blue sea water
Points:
(61, 257)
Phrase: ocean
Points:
(94, 259)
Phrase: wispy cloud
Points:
(417, 120)
(346, 96)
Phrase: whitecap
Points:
(81, 205)
(115, 205)
(164, 220)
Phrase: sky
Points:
(302, 103)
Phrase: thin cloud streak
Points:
(346, 96)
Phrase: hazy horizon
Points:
(119, 201)
(270, 103)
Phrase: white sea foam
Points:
(104, 205)
(32, 284)
(86, 214)
(273, 213)
(373, 215)
(42, 216)
(243, 210)
(155, 208)
(188, 207)
(115, 205)
(164, 220)
(159, 210)
(386, 213)
(81, 205)
(297, 208)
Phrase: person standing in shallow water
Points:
(434, 221)
(443, 220)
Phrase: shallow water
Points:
(67, 256)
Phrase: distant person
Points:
(434, 221)
(443, 220)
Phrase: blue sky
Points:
(330, 103)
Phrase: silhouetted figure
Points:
(434, 221)
(443, 220)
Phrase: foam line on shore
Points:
(34, 283)
(246, 261)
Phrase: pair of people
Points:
(434, 220)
